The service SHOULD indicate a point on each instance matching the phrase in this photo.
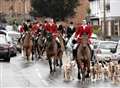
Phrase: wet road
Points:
(20, 74)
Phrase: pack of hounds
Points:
(98, 71)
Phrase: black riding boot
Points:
(74, 54)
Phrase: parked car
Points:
(13, 48)
(4, 48)
(13, 36)
(116, 55)
(105, 50)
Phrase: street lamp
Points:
(104, 19)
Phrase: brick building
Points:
(22, 7)
(15, 7)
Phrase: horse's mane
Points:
(50, 44)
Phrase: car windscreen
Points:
(3, 39)
(108, 45)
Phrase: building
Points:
(22, 7)
(112, 16)
(15, 7)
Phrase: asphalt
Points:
(21, 74)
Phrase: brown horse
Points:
(52, 50)
(27, 45)
(83, 58)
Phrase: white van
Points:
(12, 36)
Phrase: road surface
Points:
(20, 74)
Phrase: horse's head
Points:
(41, 40)
(49, 37)
(84, 40)
(28, 35)
(43, 33)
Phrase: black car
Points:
(4, 48)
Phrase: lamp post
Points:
(104, 19)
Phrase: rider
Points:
(81, 29)
(52, 28)
(84, 28)
(70, 30)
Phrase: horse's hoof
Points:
(60, 66)
(51, 72)
(87, 76)
(57, 64)
(30, 61)
(79, 77)
(54, 70)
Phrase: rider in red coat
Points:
(80, 30)
(52, 28)
(45, 26)
(84, 28)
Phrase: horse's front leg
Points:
(88, 69)
(54, 63)
(60, 58)
(61, 63)
(50, 64)
(32, 52)
(39, 51)
(23, 52)
(79, 76)
(29, 54)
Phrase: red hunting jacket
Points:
(52, 28)
(83, 29)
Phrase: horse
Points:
(40, 45)
(27, 45)
(83, 58)
(69, 47)
(52, 50)
(20, 42)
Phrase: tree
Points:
(88, 14)
(57, 9)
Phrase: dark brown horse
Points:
(52, 50)
(83, 58)
(40, 45)
(27, 46)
